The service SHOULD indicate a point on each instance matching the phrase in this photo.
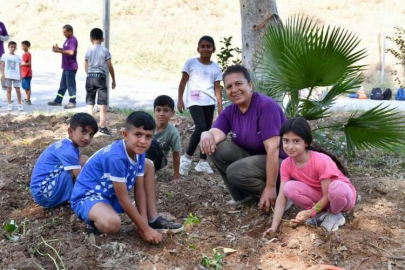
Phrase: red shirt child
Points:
(26, 71)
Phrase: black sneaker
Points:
(91, 229)
(54, 103)
(27, 102)
(106, 131)
(163, 225)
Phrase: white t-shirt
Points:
(200, 86)
(12, 66)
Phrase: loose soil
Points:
(373, 237)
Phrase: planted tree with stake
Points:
(301, 55)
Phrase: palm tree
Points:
(301, 55)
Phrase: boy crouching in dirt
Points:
(58, 166)
(101, 190)
(166, 137)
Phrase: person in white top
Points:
(11, 73)
(202, 78)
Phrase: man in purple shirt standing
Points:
(3, 37)
(249, 163)
(69, 66)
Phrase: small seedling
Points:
(192, 220)
(214, 262)
(11, 231)
(193, 247)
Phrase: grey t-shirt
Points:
(169, 139)
(97, 57)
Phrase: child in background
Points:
(202, 77)
(166, 137)
(97, 59)
(312, 179)
(58, 166)
(101, 190)
(26, 71)
(11, 72)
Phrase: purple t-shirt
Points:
(69, 62)
(3, 32)
(249, 130)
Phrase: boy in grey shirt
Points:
(95, 64)
(166, 137)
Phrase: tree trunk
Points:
(256, 15)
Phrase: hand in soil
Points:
(302, 216)
(268, 199)
(151, 236)
(271, 233)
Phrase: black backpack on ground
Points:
(387, 94)
(376, 94)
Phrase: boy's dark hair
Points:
(301, 128)
(11, 43)
(162, 101)
(96, 34)
(140, 119)
(83, 120)
(68, 27)
(237, 69)
(26, 43)
(209, 39)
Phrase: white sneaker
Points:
(185, 164)
(20, 107)
(234, 203)
(203, 166)
(332, 222)
(288, 205)
(9, 107)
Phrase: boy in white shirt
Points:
(11, 72)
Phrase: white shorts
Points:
(11, 83)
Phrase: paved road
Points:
(130, 92)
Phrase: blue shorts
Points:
(83, 206)
(26, 83)
(55, 191)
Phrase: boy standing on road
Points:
(26, 71)
(11, 72)
(97, 57)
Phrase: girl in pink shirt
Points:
(312, 179)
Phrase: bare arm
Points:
(182, 87)
(111, 70)
(210, 139)
(269, 194)
(218, 94)
(176, 165)
(26, 63)
(278, 210)
(86, 66)
(2, 69)
(57, 49)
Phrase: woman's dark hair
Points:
(208, 39)
(237, 69)
(140, 119)
(301, 128)
(84, 120)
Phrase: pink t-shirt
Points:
(319, 167)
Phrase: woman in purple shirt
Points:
(248, 163)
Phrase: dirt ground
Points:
(373, 237)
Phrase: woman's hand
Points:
(180, 105)
(207, 143)
(302, 216)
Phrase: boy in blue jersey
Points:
(58, 166)
(101, 190)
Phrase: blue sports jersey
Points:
(109, 164)
(58, 158)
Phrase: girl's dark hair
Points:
(237, 69)
(301, 128)
(208, 39)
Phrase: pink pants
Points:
(340, 195)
